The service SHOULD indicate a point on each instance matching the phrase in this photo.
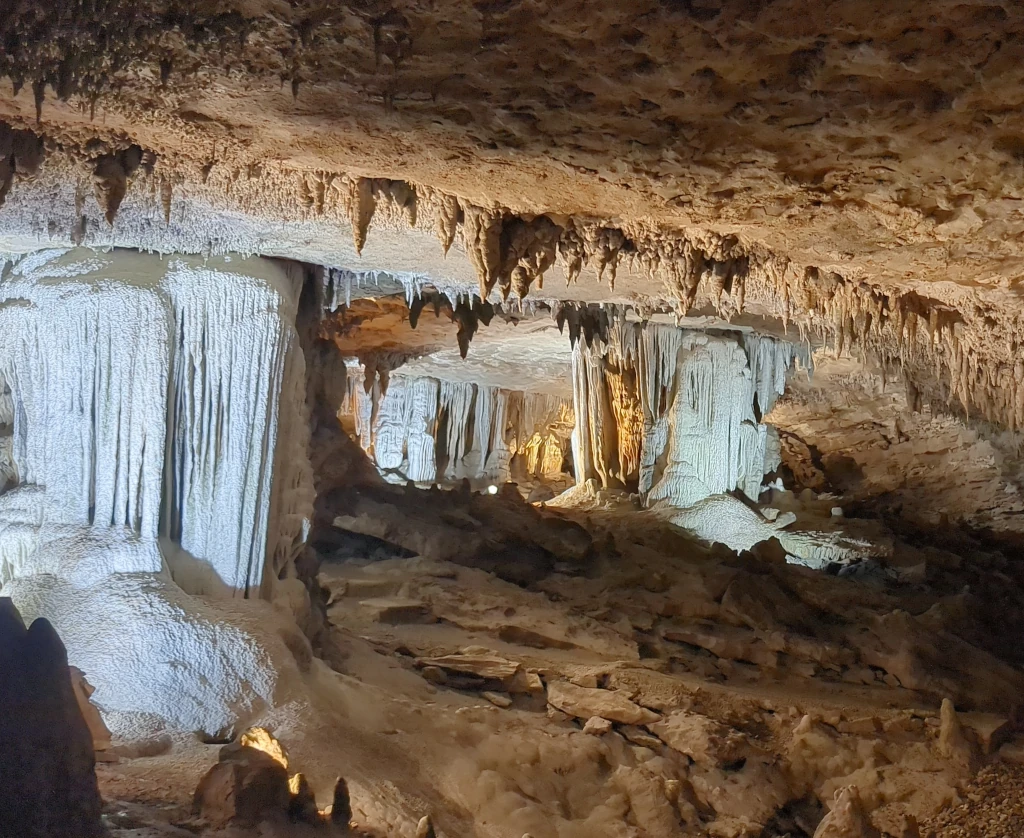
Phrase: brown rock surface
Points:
(47, 767)
(702, 739)
(584, 703)
(847, 819)
(246, 787)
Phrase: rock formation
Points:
(47, 767)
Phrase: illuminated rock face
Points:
(427, 430)
(157, 424)
(675, 414)
(148, 395)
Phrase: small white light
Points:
(492, 490)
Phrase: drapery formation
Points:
(675, 413)
(426, 430)
(160, 397)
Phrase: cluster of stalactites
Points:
(466, 311)
(425, 430)
(903, 331)
(972, 352)
(892, 327)
(510, 252)
(111, 167)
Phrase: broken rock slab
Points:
(584, 703)
(489, 667)
(990, 729)
(702, 739)
(397, 610)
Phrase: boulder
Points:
(937, 662)
(245, 789)
(584, 703)
(488, 667)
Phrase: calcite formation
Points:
(173, 393)
(157, 404)
(676, 414)
(426, 430)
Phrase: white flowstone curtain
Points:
(697, 391)
(147, 396)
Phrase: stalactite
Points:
(528, 250)
(571, 252)
(362, 204)
(446, 213)
(481, 235)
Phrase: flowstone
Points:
(159, 451)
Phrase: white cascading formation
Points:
(155, 418)
(676, 415)
(148, 395)
(481, 428)
(671, 412)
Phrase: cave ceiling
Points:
(862, 161)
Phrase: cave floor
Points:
(742, 691)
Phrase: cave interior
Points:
(518, 419)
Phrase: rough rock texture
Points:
(827, 161)
(584, 703)
(246, 787)
(47, 767)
